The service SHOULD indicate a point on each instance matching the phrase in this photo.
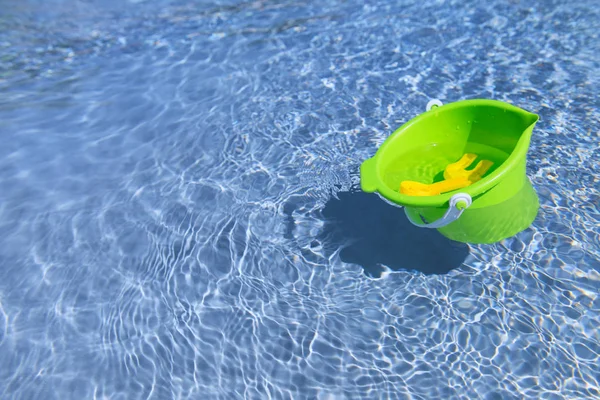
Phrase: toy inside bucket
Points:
(459, 168)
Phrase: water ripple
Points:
(180, 215)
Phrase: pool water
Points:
(181, 218)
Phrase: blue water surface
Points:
(181, 218)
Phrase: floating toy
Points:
(491, 202)
(456, 177)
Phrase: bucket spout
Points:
(529, 120)
(532, 118)
(503, 126)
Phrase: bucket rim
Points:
(372, 182)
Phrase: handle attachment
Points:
(433, 103)
(458, 204)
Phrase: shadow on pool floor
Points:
(379, 233)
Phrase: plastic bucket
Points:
(500, 205)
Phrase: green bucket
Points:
(501, 204)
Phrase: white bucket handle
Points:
(458, 204)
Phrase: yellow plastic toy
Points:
(456, 177)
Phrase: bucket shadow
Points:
(374, 233)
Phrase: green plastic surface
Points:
(504, 202)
